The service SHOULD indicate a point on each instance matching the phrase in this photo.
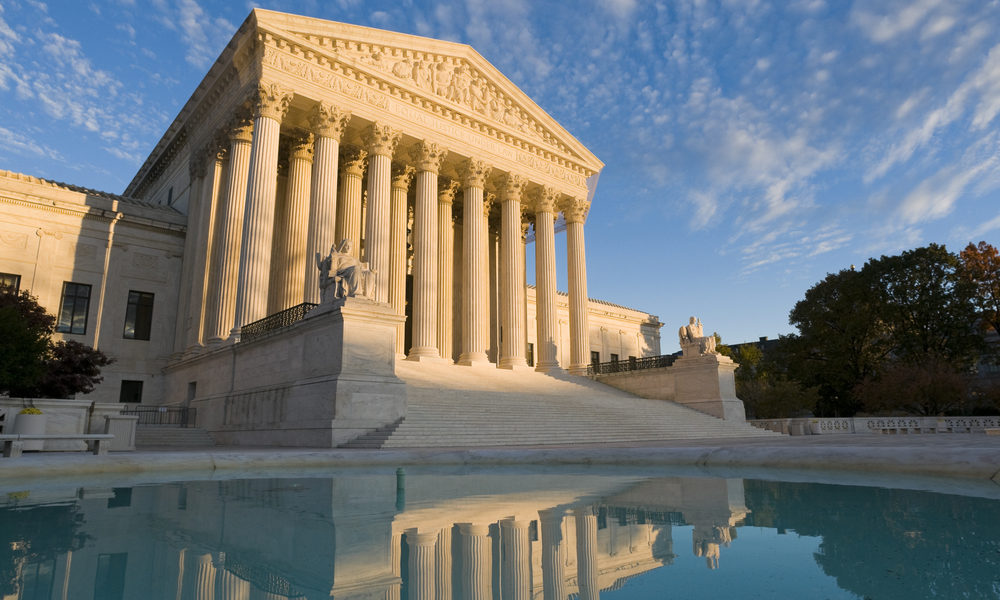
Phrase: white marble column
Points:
(226, 254)
(292, 259)
(421, 564)
(348, 225)
(185, 303)
(490, 269)
(401, 177)
(328, 123)
(270, 104)
(428, 158)
(381, 142)
(230, 587)
(575, 211)
(545, 281)
(475, 304)
(553, 555)
(201, 310)
(446, 268)
(513, 335)
(586, 554)
(443, 564)
(477, 561)
(515, 546)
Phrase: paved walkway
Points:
(865, 459)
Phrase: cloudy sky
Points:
(752, 147)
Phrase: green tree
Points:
(766, 392)
(25, 329)
(31, 364)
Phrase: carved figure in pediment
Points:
(424, 74)
(403, 69)
(442, 79)
(341, 275)
(461, 84)
(477, 95)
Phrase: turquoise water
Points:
(438, 534)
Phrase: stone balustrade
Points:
(886, 425)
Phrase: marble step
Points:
(152, 435)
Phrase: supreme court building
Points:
(304, 133)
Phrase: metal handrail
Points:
(272, 323)
(631, 364)
(179, 416)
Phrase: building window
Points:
(614, 358)
(10, 282)
(75, 305)
(36, 580)
(138, 316)
(595, 357)
(109, 584)
(122, 497)
(131, 391)
(531, 354)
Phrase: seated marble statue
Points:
(341, 275)
(694, 341)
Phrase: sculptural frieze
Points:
(693, 340)
(342, 275)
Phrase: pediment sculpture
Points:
(693, 340)
(342, 275)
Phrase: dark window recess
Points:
(36, 580)
(109, 584)
(122, 497)
(138, 316)
(10, 282)
(595, 357)
(170, 197)
(531, 354)
(614, 358)
(74, 308)
(131, 391)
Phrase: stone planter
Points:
(30, 424)
(815, 428)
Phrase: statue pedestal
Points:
(706, 383)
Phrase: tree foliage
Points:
(31, 364)
(766, 392)
(859, 331)
(979, 266)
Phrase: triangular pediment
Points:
(447, 73)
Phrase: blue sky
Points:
(751, 147)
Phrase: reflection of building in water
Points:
(471, 537)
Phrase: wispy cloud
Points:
(202, 34)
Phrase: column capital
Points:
(511, 187)
(474, 173)
(381, 139)
(429, 155)
(329, 121)
(489, 199)
(546, 199)
(447, 188)
(270, 100)
(402, 175)
(575, 209)
(301, 147)
(352, 159)
(241, 130)
(198, 161)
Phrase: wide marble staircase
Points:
(451, 406)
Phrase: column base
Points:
(475, 359)
(551, 368)
(514, 364)
(427, 357)
(578, 369)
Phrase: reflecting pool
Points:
(508, 534)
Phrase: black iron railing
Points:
(272, 323)
(631, 364)
(178, 416)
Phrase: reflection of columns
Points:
(474, 302)
(271, 103)
(422, 573)
(327, 123)
(545, 281)
(226, 254)
(349, 198)
(443, 564)
(446, 259)
(576, 213)
(512, 334)
(425, 253)
(553, 555)
(401, 176)
(516, 565)
(203, 584)
(586, 554)
(477, 579)
(381, 141)
(230, 587)
(291, 260)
